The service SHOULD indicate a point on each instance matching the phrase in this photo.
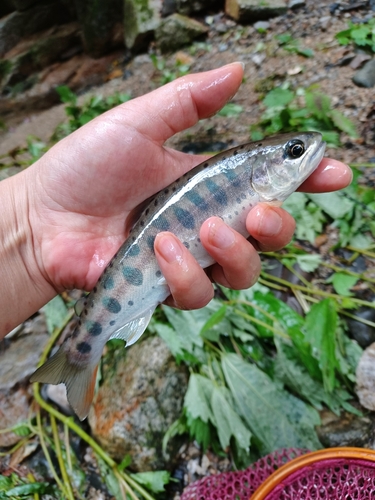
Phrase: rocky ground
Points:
(315, 25)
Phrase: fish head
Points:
(284, 162)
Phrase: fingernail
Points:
(170, 250)
(270, 222)
(220, 235)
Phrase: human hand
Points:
(81, 192)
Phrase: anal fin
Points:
(130, 332)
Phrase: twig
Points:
(60, 459)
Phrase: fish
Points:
(122, 302)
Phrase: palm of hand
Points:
(87, 197)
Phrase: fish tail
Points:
(79, 381)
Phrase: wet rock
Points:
(345, 430)
(18, 360)
(140, 22)
(101, 24)
(187, 7)
(365, 77)
(252, 10)
(24, 4)
(140, 397)
(6, 7)
(17, 25)
(38, 51)
(362, 333)
(365, 374)
(177, 31)
(296, 4)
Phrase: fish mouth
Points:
(318, 155)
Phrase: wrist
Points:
(23, 286)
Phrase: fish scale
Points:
(132, 285)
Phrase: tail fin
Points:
(79, 381)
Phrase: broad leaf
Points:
(320, 327)
(342, 283)
(276, 418)
(198, 398)
(227, 421)
(55, 312)
(333, 204)
(154, 481)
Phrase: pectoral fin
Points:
(130, 332)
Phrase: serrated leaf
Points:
(154, 481)
(276, 418)
(27, 489)
(55, 312)
(198, 398)
(21, 430)
(174, 342)
(227, 421)
(308, 262)
(230, 109)
(278, 97)
(343, 123)
(320, 328)
(342, 283)
(333, 204)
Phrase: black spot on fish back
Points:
(112, 305)
(94, 328)
(184, 218)
(133, 275)
(83, 347)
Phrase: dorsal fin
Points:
(135, 214)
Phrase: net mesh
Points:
(239, 485)
(348, 479)
(334, 479)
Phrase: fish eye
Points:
(295, 149)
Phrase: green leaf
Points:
(198, 398)
(55, 312)
(276, 418)
(174, 342)
(21, 430)
(5, 482)
(308, 262)
(27, 489)
(154, 481)
(227, 421)
(66, 95)
(216, 318)
(343, 123)
(278, 97)
(342, 283)
(320, 327)
(230, 109)
(125, 462)
(333, 204)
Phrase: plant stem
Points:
(60, 459)
(315, 291)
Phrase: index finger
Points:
(331, 175)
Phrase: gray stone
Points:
(296, 4)
(6, 7)
(37, 52)
(254, 10)
(19, 358)
(21, 5)
(141, 18)
(261, 25)
(17, 25)
(188, 7)
(140, 397)
(345, 429)
(178, 30)
(365, 375)
(365, 77)
(101, 24)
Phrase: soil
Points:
(312, 25)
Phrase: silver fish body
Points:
(124, 299)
